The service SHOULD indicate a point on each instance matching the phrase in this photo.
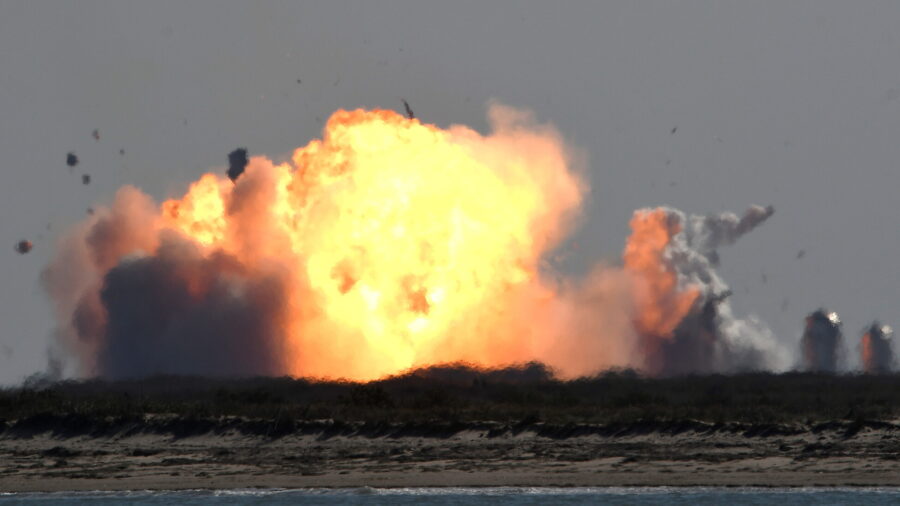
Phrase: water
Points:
(473, 496)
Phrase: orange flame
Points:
(868, 353)
(397, 244)
(398, 236)
(662, 304)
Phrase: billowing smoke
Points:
(388, 245)
(821, 342)
(686, 324)
(875, 349)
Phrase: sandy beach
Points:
(488, 454)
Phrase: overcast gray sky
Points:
(795, 104)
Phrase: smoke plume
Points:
(685, 320)
(391, 244)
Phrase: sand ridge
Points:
(229, 454)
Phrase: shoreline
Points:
(686, 454)
(386, 481)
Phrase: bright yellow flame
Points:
(399, 238)
(201, 213)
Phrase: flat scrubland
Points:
(452, 425)
(451, 394)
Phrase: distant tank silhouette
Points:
(875, 348)
(821, 341)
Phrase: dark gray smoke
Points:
(821, 342)
(877, 354)
(135, 301)
(179, 313)
(711, 339)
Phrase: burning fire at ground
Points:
(387, 245)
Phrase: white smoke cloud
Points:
(711, 338)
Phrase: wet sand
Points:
(324, 454)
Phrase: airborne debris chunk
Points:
(237, 162)
(23, 246)
(409, 111)
(85, 179)
(96, 134)
(122, 152)
(674, 129)
(801, 254)
(71, 159)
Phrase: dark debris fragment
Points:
(23, 246)
(237, 162)
(409, 111)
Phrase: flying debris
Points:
(23, 247)
(801, 254)
(71, 159)
(122, 152)
(90, 211)
(96, 134)
(298, 81)
(877, 355)
(409, 111)
(237, 162)
(821, 341)
(85, 179)
(674, 129)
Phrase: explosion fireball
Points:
(387, 245)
